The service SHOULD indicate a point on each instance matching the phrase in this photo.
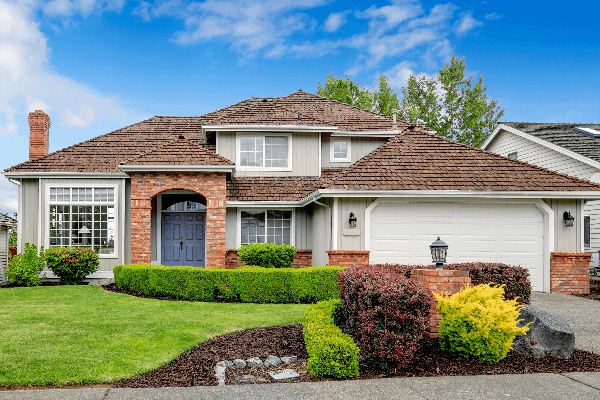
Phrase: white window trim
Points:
(116, 203)
(348, 147)
(263, 134)
(238, 238)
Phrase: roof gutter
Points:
(271, 128)
(386, 134)
(192, 168)
(80, 175)
(476, 194)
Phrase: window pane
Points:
(253, 227)
(586, 231)
(251, 151)
(278, 226)
(276, 154)
(340, 149)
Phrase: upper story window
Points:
(264, 152)
(83, 217)
(340, 150)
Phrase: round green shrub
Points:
(267, 255)
(479, 322)
(23, 269)
(72, 264)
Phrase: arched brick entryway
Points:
(146, 185)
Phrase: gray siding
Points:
(3, 252)
(28, 222)
(352, 239)
(305, 154)
(566, 239)
(231, 228)
(359, 147)
(505, 143)
(321, 232)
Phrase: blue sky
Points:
(98, 65)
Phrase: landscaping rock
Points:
(289, 360)
(272, 361)
(547, 335)
(261, 380)
(254, 362)
(249, 377)
(225, 363)
(239, 363)
(283, 375)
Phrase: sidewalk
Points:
(532, 386)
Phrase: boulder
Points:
(239, 363)
(547, 335)
(289, 360)
(254, 362)
(272, 361)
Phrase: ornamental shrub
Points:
(247, 285)
(384, 312)
(515, 279)
(330, 352)
(267, 255)
(23, 269)
(479, 322)
(72, 264)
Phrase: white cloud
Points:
(335, 21)
(466, 24)
(9, 195)
(67, 8)
(399, 74)
(82, 120)
(493, 16)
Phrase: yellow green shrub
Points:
(479, 322)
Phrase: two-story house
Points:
(343, 185)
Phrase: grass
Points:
(83, 334)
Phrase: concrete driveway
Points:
(582, 314)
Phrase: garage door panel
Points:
(508, 233)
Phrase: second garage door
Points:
(401, 232)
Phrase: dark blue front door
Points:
(182, 238)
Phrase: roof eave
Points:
(271, 128)
(18, 175)
(386, 134)
(185, 168)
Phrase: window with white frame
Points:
(269, 226)
(586, 231)
(264, 151)
(83, 217)
(340, 150)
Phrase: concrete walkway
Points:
(533, 386)
(582, 314)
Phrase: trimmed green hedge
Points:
(248, 285)
(330, 351)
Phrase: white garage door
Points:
(513, 234)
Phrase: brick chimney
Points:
(39, 132)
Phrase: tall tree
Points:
(451, 104)
(381, 98)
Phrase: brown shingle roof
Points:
(417, 160)
(277, 188)
(267, 113)
(179, 152)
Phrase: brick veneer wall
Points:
(570, 273)
(146, 185)
(348, 258)
(39, 134)
(302, 259)
(442, 282)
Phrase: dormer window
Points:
(264, 152)
(340, 150)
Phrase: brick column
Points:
(442, 282)
(141, 231)
(348, 258)
(570, 273)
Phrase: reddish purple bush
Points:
(384, 312)
(516, 279)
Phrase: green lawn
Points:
(68, 334)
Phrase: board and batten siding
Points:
(359, 147)
(3, 252)
(505, 143)
(305, 154)
(352, 239)
(567, 239)
(106, 264)
(321, 231)
(28, 222)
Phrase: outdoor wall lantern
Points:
(568, 218)
(352, 220)
(439, 249)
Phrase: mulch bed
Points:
(196, 366)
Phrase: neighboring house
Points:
(5, 223)
(341, 184)
(572, 149)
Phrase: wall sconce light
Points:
(439, 249)
(352, 220)
(568, 218)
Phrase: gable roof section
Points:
(179, 152)
(417, 160)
